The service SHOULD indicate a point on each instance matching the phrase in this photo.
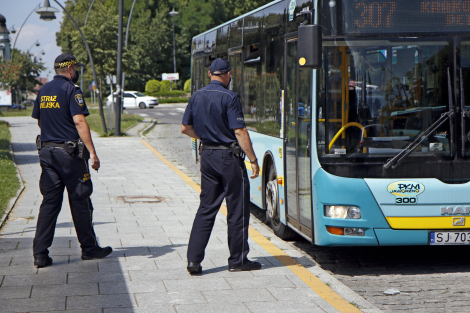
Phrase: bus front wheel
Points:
(272, 206)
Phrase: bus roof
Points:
(237, 18)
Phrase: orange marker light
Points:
(282, 201)
(279, 181)
(259, 188)
(335, 230)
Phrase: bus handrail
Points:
(343, 129)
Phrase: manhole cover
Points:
(141, 199)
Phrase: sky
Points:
(16, 12)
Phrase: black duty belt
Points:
(206, 146)
(51, 144)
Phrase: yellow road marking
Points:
(311, 280)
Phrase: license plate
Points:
(450, 238)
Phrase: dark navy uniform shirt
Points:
(214, 111)
(57, 103)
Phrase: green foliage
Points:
(21, 73)
(153, 86)
(173, 100)
(172, 93)
(101, 34)
(187, 85)
(165, 85)
(9, 183)
(149, 52)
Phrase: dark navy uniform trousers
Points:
(222, 175)
(61, 170)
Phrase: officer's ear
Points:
(209, 73)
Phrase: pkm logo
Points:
(405, 192)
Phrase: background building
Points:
(4, 39)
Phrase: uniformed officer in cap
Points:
(215, 116)
(60, 110)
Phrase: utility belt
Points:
(234, 147)
(72, 147)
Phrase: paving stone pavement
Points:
(147, 270)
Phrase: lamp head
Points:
(47, 12)
(13, 30)
(173, 13)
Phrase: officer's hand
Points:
(95, 162)
(255, 169)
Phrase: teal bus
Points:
(358, 113)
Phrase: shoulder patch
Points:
(79, 99)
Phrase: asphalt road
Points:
(164, 114)
(428, 279)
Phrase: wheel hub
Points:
(271, 198)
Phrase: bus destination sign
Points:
(409, 16)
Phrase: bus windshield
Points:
(377, 96)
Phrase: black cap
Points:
(65, 60)
(220, 67)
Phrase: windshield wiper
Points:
(398, 159)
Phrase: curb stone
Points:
(12, 202)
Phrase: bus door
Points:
(297, 111)
(235, 59)
(197, 75)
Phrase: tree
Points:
(21, 73)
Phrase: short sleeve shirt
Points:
(57, 103)
(215, 111)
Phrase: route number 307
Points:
(405, 200)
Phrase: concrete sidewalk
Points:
(147, 270)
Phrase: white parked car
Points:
(135, 99)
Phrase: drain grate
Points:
(140, 199)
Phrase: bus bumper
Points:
(391, 237)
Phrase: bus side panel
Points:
(261, 145)
(333, 190)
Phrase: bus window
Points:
(378, 96)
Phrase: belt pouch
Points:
(38, 143)
(70, 147)
(83, 152)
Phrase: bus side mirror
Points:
(309, 46)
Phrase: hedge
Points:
(174, 100)
(173, 93)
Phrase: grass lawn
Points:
(9, 183)
(127, 120)
(26, 112)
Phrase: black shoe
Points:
(247, 266)
(97, 253)
(194, 268)
(42, 261)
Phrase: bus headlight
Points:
(346, 212)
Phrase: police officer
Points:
(215, 116)
(60, 110)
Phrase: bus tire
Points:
(272, 206)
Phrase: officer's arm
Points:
(245, 143)
(189, 130)
(84, 133)
(39, 123)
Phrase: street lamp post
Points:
(125, 44)
(117, 121)
(47, 13)
(81, 68)
(173, 13)
(19, 31)
(34, 44)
